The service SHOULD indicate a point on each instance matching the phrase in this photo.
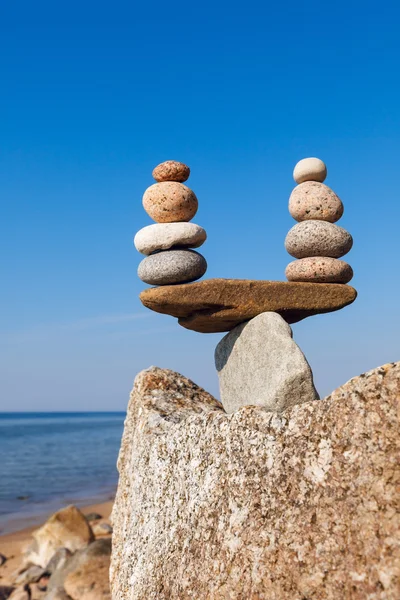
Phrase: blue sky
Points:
(95, 94)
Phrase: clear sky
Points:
(95, 94)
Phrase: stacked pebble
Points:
(315, 240)
(167, 243)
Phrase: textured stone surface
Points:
(66, 528)
(31, 575)
(318, 238)
(22, 593)
(97, 553)
(171, 170)
(310, 169)
(254, 505)
(6, 591)
(90, 581)
(57, 594)
(100, 529)
(170, 201)
(172, 266)
(319, 269)
(313, 200)
(58, 560)
(163, 236)
(259, 363)
(216, 305)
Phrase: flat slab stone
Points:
(217, 305)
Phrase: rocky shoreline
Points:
(67, 558)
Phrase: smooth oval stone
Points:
(172, 266)
(163, 236)
(319, 269)
(170, 201)
(171, 170)
(310, 169)
(316, 201)
(318, 238)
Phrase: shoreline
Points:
(32, 516)
(12, 544)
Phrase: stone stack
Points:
(316, 241)
(168, 244)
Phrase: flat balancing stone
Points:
(217, 305)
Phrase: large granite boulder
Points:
(259, 363)
(256, 505)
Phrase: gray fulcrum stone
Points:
(172, 266)
(318, 238)
(259, 364)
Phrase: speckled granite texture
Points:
(256, 506)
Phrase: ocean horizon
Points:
(52, 459)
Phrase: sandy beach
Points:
(12, 545)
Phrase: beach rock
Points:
(259, 364)
(90, 581)
(172, 266)
(66, 528)
(320, 269)
(6, 591)
(93, 516)
(21, 593)
(41, 585)
(317, 238)
(313, 200)
(57, 594)
(310, 169)
(171, 170)
(99, 548)
(255, 505)
(217, 305)
(102, 529)
(170, 201)
(163, 236)
(58, 560)
(3, 559)
(31, 575)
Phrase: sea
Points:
(50, 460)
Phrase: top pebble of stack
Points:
(310, 169)
(171, 170)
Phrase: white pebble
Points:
(310, 169)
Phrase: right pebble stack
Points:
(316, 241)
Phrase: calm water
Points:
(48, 460)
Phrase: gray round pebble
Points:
(172, 266)
(318, 238)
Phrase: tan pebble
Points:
(312, 200)
(171, 170)
(319, 269)
(170, 202)
(310, 169)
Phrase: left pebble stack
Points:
(167, 244)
